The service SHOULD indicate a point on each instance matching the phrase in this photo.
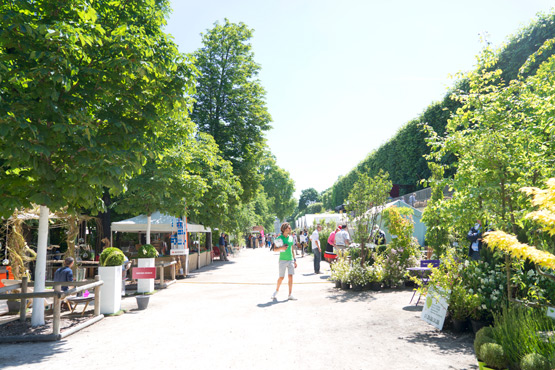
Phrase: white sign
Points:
(551, 312)
(179, 252)
(435, 307)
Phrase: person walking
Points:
(316, 248)
(221, 245)
(331, 243)
(287, 261)
(474, 236)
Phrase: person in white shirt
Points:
(303, 240)
(316, 248)
(342, 239)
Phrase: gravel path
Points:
(221, 317)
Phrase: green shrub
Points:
(486, 331)
(518, 329)
(534, 361)
(494, 356)
(111, 257)
(147, 251)
(478, 342)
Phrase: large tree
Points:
(230, 101)
(84, 87)
(308, 196)
(278, 186)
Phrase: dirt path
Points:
(222, 318)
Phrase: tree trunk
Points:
(37, 319)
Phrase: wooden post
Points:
(161, 276)
(23, 303)
(173, 268)
(97, 297)
(57, 310)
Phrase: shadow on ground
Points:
(41, 353)
(444, 342)
(342, 296)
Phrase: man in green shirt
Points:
(284, 245)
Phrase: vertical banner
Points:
(179, 239)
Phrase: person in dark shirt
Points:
(64, 273)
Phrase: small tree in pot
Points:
(111, 260)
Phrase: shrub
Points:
(478, 342)
(147, 251)
(534, 361)
(494, 356)
(486, 331)
(357, 273)
(111, 257)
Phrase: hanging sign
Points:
(179, 239)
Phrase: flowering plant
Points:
(340, 270)
(488, 282)
(357, 273)
(375, 273)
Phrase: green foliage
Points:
(84, 88)
(147, 251)
(435, 217)
(357, 273)
(494, 356)
(479, 341)
(487, 281)
(520, 330)
(111, 257)
(340, 270)
(278, 186)
(230, 101)
(308, 196)
(366, 202)
(459, 302)
(314, 208)
(534, 361)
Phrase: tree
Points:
(278, 186)
(230, 102)
(84, 88)
(366, 201)
(307, 197)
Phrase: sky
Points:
(341, 77)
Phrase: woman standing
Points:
(287, 261)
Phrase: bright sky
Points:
(343, 76)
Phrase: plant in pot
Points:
(459, 305)
(493, 356)
(146, 255)
(357, 275)
(534, 361)
(484, 335)
(110, 262)
(375, 275)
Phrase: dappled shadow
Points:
(343, 296)
(444, 342)
(18, 354)
(271, 303)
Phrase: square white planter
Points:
(110, 291)
(145, 285)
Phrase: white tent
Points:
(160, 223)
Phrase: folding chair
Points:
(424, 279)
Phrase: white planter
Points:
(145, 285)
(110, 291)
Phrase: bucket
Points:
(142, 301)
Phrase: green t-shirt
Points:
(286, 255)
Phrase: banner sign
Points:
(435, 307)
(179, 252)
(143, 273)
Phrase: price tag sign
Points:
(144, 273)
(435, 307)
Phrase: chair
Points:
(424, 279)
(216, 252)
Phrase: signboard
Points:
(435, 307)
(143, 273)
(179, 252)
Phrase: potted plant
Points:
(459, 302)
(146, 258)
(484, 335)
(111, 260)
(335, 275)
(375, 276)
(534, 361)
(357, 275)
(493, 356)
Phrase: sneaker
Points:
(274, 295)
(291, 298)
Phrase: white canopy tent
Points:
(160, 223)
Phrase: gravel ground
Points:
(222, 317)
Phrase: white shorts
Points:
(289, 265)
